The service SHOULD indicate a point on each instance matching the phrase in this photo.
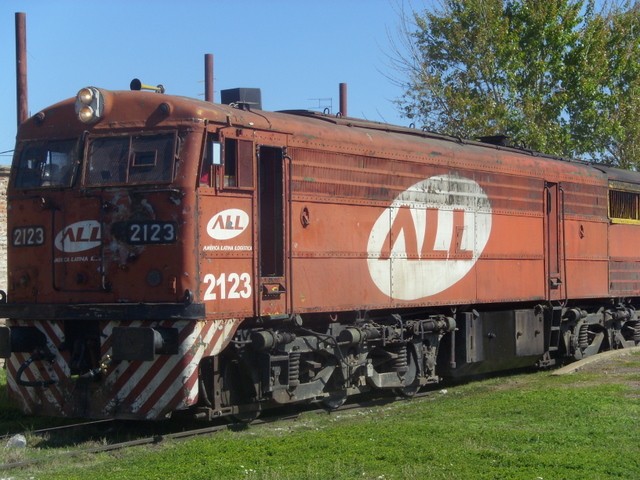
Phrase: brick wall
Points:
(4, 180)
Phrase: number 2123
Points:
(227, 286)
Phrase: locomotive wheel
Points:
(246, 417)
(338, 394)
(412, 385)
(238, 390)
(335, 400)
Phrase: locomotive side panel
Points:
(327, 250)
(624, 235)
(586, 239)
(444, 233)
(511, 267)
(226, 252)
(418, 227)
(624, 267)
(586, 272)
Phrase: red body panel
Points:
(624, 267)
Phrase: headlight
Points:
(89, 105)
(85, 96)
(86, 114)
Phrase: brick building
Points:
(4, 180)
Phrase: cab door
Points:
(226, 213)
(272, 236)
(554, 241)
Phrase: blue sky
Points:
(297, 52)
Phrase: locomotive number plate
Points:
(27, 236)
(144, 233)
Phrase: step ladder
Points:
(554, 332)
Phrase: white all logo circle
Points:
(79, 236)
(228, 224)
(429, 238)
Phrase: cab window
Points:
(238, 163)
(212, 157)
(46, 164)
(131, 159)
(231, 161)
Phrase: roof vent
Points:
(244, 98)
(500, 140)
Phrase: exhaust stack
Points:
(208, 77)
(343, 100)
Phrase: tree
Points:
(555, 76)
(619, 95)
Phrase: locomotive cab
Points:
(101, 264)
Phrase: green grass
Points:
(580, 426)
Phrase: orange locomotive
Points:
(167, 254)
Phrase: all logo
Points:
(228, 224)
(429, 238)
(79, 236)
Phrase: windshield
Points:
(47, 163)
(131, 159)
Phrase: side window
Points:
(238, 163)
(212, 157)
(624, 206)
